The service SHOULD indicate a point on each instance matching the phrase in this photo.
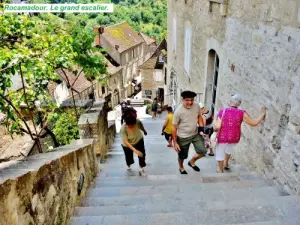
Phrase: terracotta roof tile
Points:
(81, 83)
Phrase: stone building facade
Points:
(218, 47)
(126, 49)
(153, 74)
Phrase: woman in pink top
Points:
(229, 129)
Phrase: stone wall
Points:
(149, 82)
(258, 44)
(43, 189)
(94, 124)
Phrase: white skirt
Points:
(222, 149)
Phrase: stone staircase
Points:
(164, 197)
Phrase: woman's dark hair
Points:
(130, 119)
(129, 110)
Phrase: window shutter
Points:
(174, 33)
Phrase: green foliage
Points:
(64, 126)
(32, 49)
(148, 109)
(148, 16)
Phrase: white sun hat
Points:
(201, 105)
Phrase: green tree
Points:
(147, 16)
(65, 126)
(31, 49)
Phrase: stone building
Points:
(125, 48)
(219, 47)
(61, 90)
(112, 85)
(153, 73)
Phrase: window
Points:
(103, 90)
(148, 92)
(126, 56)
(158, 75)
(187, 49)
(174, 33)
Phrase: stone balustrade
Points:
(45, 188)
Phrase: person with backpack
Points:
(154, 108)
(124, 107)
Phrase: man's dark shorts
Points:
(184, 144)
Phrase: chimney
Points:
(117, 47)
(98, 30)
(154, 38)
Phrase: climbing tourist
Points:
(207, 130)
(228, 126)
(167, 127)
(154, 108)
(159, 110)
(124, 106)
(133, 140)
(184, 131)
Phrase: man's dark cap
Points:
(188, 94)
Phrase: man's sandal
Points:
(196, 168)
(183, 172)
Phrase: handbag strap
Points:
(224, 110)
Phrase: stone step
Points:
(169, 191)
(161, 142)
(248, 175)
(173, 173)
(99, 220)
(183, 206)
(210, 182)
(149, 152)
(170, 166)
(200, 217)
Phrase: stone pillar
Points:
(94, 124)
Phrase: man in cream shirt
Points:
(185, 131)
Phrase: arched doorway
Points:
(116, 97)
(212, 80)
